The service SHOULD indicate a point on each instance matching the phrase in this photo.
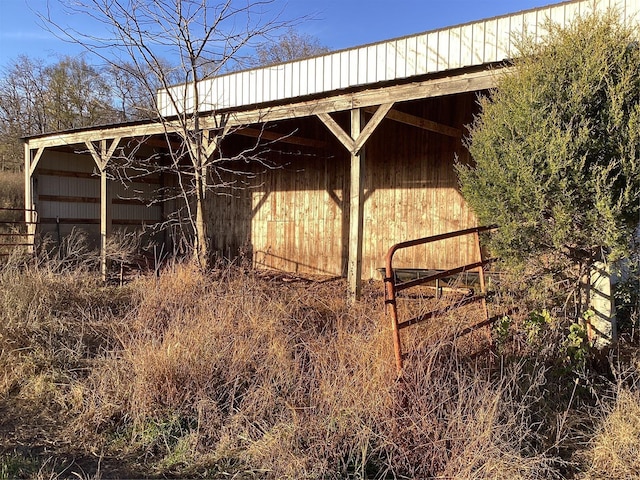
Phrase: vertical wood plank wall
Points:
(294, 217)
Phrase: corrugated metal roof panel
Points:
(483, 42)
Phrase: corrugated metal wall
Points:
(67, 196)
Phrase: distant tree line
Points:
(38, 98)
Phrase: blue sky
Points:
(337, 23)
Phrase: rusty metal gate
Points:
(17, 234)
(393, 285)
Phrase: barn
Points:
(350, 152)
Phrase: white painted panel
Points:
(326, 82)
(259, 86)
(353, 67)
(390, 61)
(362, 65)
(245, 97)
(433, 54)
(633, 11)
(491, 41)
(232, 91)
(296, 78)
(264, 84)
(454, 48)
(466, 45)
(443, 50)
(544, 17)
(204, 99)
(503, 37)
(304, 75)
(530, 25)
(572, 11)
(411, 56)
(478, 43)
(515, 34)
(372, 66)
(251, 94)
(311, 75)
(217, 93)
(557, 14)
(421, 54)
(381, 62)
(281, 82)
(273, 83)
(335, 71)
(288, 80)
(401, 58)
(344, 69)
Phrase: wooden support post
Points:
(105, 221)
(29, 216)
(360, 133)
(102, 159)
(356, 210)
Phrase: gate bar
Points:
(391, 288)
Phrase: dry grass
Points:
(614, 451)
(233, 374)
(287, 381)
(11, 190)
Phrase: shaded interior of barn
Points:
(280, 191)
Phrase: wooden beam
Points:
(94, 154)
(280, 137)
(422, 123)
(36, 159)
(351, 143)
(150, 179)
(470, 81)
(114, 144)
(433, 87)
(94, 200)
(94, 221)
(356, 211)
(372, 124)
(344, 138)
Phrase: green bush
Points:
(557, 152)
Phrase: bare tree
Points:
(39, 98)
(131, 97)
(201, 38)
(292, 45)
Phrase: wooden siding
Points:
(483, 42)
(294, 216)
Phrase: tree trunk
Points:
(201, 243)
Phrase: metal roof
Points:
(473, 44)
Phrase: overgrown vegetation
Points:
(11, 190)
(234, 373)
(557, 152)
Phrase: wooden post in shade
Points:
(356, 210)
(28, 198)
(105, 221)
(102, 160)
(360, 133)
